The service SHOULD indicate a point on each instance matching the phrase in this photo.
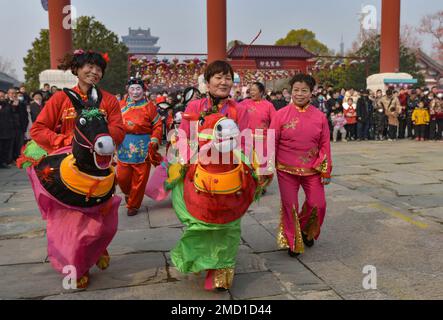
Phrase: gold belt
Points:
(296, 170)
(259, 136)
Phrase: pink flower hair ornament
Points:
(79, 52)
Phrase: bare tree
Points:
(409, 37)
(432, 24)
(7, 67)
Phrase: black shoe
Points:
(132, 212)
(308, 243)
(221, 289)
(293, 254)
(2, 166)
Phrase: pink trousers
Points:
(310, 219)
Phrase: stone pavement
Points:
(385, 209)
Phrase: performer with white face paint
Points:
(139, 150)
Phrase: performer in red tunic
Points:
(54, 127)
(72, 178)
(138, 151)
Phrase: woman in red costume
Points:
(138, 151)
(54, 126)
(76, 197)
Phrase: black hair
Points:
(304, 78)
(338, 110)
(136, 81)
(76, 61)
(260, 86)
(389, 92)
(36, 93)
(218, 66)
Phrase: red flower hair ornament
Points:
(106, 57)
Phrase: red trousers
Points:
(314, 209)
(132, 179)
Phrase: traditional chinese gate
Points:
(61, 43)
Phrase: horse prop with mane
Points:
(155, 188)
(75, 192)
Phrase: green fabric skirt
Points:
(203, 246)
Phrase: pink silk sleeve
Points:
(183, 139)
(272, 112)
(242, 116)
(323, 164)
(275, 126)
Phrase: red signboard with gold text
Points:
(269, 64)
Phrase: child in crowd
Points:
(351, 120)
(393, 122)
(420, 119)
(339, 122)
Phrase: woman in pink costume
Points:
(303, 158)
(260, 114)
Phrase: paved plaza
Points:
(385, 209)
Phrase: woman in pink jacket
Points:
(260, 114)
(303, 158)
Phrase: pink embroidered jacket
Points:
(260, 113)
(302, 145)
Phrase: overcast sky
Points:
(181, 24)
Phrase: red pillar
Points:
(390, 36)
(217, 38)
(60, 38)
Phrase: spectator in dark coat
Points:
(26, 97)
(46, 92)
(6, 131)
(20, 117)
(279, 102)
(36, 105)
(363, 115)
